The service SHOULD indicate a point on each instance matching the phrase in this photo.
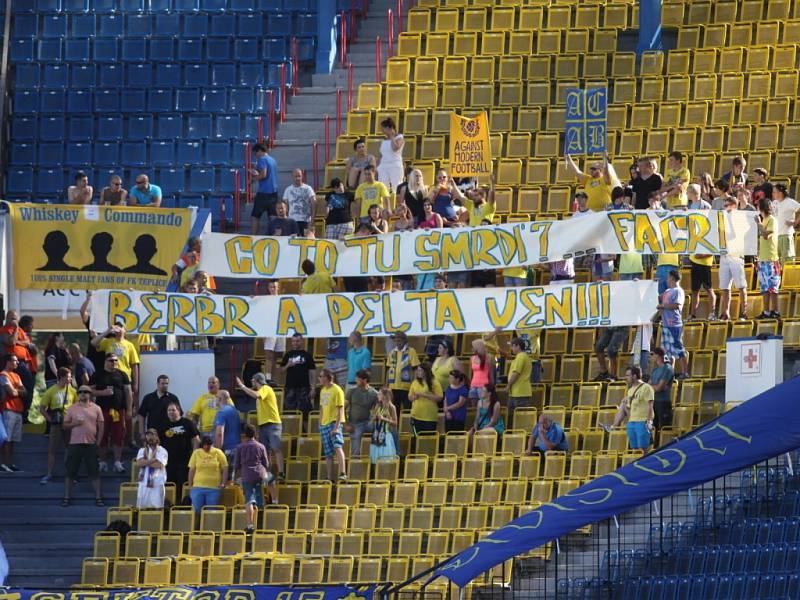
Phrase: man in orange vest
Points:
(12, 394)
(15, 339)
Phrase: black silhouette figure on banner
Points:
(55, 247)
(145, 249)
(101, 248)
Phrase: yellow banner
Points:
(470, 149)
(96, 247)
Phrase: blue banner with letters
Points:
(761, 428)
(179, 592)
(585, 121)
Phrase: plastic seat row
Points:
(739, 34)
(702, 12)
(58, 25)
(124, 6)
(134, 49)
(755, 558)
(137, 128)
(135, 100)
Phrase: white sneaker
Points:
(102, 466)
(45, 479)
(605, 427)
(118, 468)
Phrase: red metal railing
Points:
(271, 116)
(260, 129)
(295, 58)
(326, 121)
(237, 200)
(378, 59)
(343, 39)
(349, 87)
(389, 34)
(315, 163)
(283, 93)
(399, 15)
(338, 112)
(248, 180)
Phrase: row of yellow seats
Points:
(531, 18)
(739, 34)
(701, 61)
(701, 12)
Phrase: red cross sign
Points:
(751, 359)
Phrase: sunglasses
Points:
(140, 182)
(84, 392)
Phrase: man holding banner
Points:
(597, 184)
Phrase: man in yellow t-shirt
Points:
(637, 405)
(480, 204)
(676, 180)
(370, 192)
(112, 341)
(204, 410)
(701, 280)
(317, 282)
(597, 183)
(331, 423)
(519, 379)
(52, 404)
(270, 426)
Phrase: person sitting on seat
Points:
(546, 435)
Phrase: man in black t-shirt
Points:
(180, 439)
(153, 408)
(647, 182)
(281, 224)
(111, 389)
(299, 366)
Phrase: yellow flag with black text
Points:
(470, 148)
(93, 247)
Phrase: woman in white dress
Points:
(390, 165)
(152, 462)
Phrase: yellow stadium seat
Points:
(351, 543)
(106, 544)
(125, 572)
(281, 570)
(138, 544)
(555, 463)
(465, 43)
(219, 570)
(520, 43)
(157, 571)
(473, 467)
(340, 570)
(251, 570)
(418, 19)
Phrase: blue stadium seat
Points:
(50, 49)
(140, 127)
(251, 74)
(50, 154)
(168, 201)
(223, 26)
(195, 25)
(227, 178)
(195, 74)
(27, 26)
(190, 49)
(160, 5)
(162, 153)
(245, 49)
(240, 100)
(140, 75)
(279, 24)
(188, 153)
(242, 5)
(48, 5)
(139, 26)
(128, 6)
(83, 26)
(305, 48)
(166, 23)
(106, 50)
(227, 127)
(22, 50)
(52, 101)
(52, 127)
(187, 100)
(79, 101)
(213, 5)
(112, 25)
(169, 127)
(75, 5)
(168, 74)
(106, 154)
(22, 6)
(218, 49)
(54, 26)
(171, 180)
(76, 50)
(134, 49)
(22, 153)
(103, 6)
(186, 5)
(81, 128)
(223, 74)
(249, 25)
(55, 76)
(262, 102)
(78, 154)
(274, 5)
(250, 131)
(134, 154)
(112, 76)
(23, 128)
(187, 200)
(106, 100)
(109, 128)
(274, 75)
(82, 76)
(219, 204)
(198, 127)
(162, 49)
(159, 100)
(133, 100)
(201, 180)
(306, 24)
(213, 100)
(19, 181)
(217, 152)
(26, 76)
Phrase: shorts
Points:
(338, 231)
(731, 271)
(785, 247)
(630, 276)
(769, 276)
(330, 440)
(418, 426)
(253, 493)
(13, 422)
(458, 278)
(672, 341)
(612, 340)
(662, 411)
(474, 393)
(78, 454)
(114, 431)
(269, 434)
(638, 435)
(264, 203)
(275, 344)
(514, 281)
(701, 277)
(602, 268)
(297, 399)
(57, 439)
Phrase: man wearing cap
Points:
(597, 183)
(84, 422)
(112, 391)
(359, 401)
(270, 427)
(731, 272)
